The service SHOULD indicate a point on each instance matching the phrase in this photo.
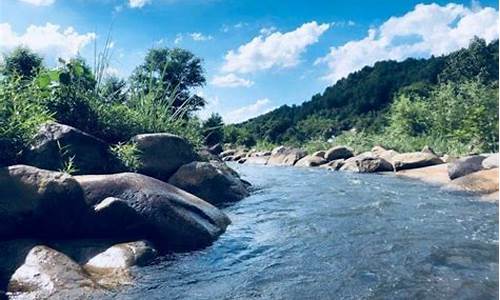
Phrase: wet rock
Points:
(465, 165)
(211, 182)
(124, 255)
(39, 203)
(491, 161)
(338, 152)
(310, 161)
(169, 216)
(56, 145)
(366, 163)
(161, 154)
(49, 274)
(333, 165)
(415, 160)
(285, 156)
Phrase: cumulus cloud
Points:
(50, 40)
(138, 3)
(244, 113)
(426, 30)
(230, 80)
(274, 50)
(39, 2)
(199, 37)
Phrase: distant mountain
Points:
(361, 99)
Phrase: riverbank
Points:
(476, 174)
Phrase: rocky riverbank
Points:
(477, 174)
(67, 237)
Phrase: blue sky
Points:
(257, 54)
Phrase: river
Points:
(316, 234)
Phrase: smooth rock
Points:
(465, 165)
(415, 160)
(169, 216)
(124, 255)
(285, 157)
(319, 154)
(161, 154)
(257, 160)
(481, 182)
(491, 161)
(49, 274)
(366, 163)
(211, 182)
(228, 152)
(39, 203)
(381, 152)
(338, 152)
(55, 145)
(310, 161)
(334, 165)
(278, 150)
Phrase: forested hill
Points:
(362, 99)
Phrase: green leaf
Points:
(65, 78)
(43, 80)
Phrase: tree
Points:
(22, 62)
(113, 90)
(213, 131)
(166, 71)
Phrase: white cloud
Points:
(230, 80)
(138, 3)
(275, 50)
(244, 113)
(50, 40)
(39, 2)
(199, 37)
(426, 30)
(111, 71)
(267, 30)
(178, 39)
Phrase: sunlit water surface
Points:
(317, 234)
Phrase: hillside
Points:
(362, 99)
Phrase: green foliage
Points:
(213, 131)
(113, 90)
(69, 166)
(128, 154)
(21, 62)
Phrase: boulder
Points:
(216, 149)
(57, 145)
(310, 161)
(334, 165)
(319, 154)
(491, 161)
(205, 155)
(257, 160)
(228, 152)
(465, 165)
(39, 203)
(210, 181)
(338, 152)
(415, 160)
(278, 150)
(114, 217)
(481, 182)
(124, 255)
(381, 152)
(161, 154)
(366, 163)
(49, 274)
(168, 215)
(285, 157)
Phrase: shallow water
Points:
(317, 234)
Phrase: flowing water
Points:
(317, 234)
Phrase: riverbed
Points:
(309, 233)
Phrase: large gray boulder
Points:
(57, 145)
(285, 156)
(415, 160)
(257, 160)
(212, 182)
(49, 274)
(123, 256)
(338, 152)
(491, 161)
(465, 165)
(366, 163)
(39, 203)
(333, 165)
(310, 161)
(386, 154)
(161, 154)
(167, 215)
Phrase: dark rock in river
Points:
(162, 154)
(282, 156)
(366, 163)
(310, 161)
(415, 160)
(465, 165)
(338, 152)
(212, 182)
(55, 145)
(167, 214)
(36, 202)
